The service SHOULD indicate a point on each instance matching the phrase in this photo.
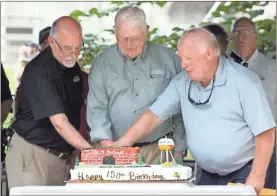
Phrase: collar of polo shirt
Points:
(254, 57)
(220, 75)
(141, 56)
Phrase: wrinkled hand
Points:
(119, 143)
(257, 181)
(178, 156)
(106, 142)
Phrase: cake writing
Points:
(145, 176)
(113, 152)
(107, 151)
(115, 175)
(89, 177)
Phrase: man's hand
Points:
(106, 142)
(257, 181)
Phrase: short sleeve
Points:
(168, 103)
(257, 112)
(42, 94)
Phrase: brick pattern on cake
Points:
(121, 155)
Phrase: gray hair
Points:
(134, 15)
(243, 19)
(213, 42)
(56, 24)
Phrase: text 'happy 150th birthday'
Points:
(112, 175)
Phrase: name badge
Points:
(157, 73)
(76, 79)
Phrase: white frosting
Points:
(153, 172)
(166, 141)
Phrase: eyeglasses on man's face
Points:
(244, 33)
(67, 50)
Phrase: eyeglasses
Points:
(244, 33)
(68, 50)
(200, 103)
(131, 39)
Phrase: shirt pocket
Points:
(158, 84)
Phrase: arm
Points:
(259, 118)
(167, 105)
(98, 105)
(5, 110)
(145, 124)
(6, 97)
(68, 132)
(264, 144)
(46, 102)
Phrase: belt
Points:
(62, 155)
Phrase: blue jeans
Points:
(271, 173)
(205, 178)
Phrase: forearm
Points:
(179, 134)
(5, 109)
(264, 144)
(143, 126)
(70, 134)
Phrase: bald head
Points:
(65, 40)
(200, 38)
(65, 24)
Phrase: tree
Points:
(227, 13)
(93, 44)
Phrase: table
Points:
(133, 189)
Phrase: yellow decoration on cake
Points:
(166, 144)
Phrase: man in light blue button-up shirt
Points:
(229, 125)
(125, 80)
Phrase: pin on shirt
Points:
(76, 79)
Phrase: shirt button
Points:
(136, 94)
(136, 78)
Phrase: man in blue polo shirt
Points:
(230, 128)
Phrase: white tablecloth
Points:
(133, 189)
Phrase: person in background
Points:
(23, 60)
(48, 116)
(221, 35)
(43, 38)
(244, 36)
(220, 102)
(125, 79)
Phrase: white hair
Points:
(213, 42)
(133, 15)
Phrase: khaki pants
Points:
(150, 153)
(29, 164)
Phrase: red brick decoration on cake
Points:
(120, 155)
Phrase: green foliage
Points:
(266, 42)
(226, 12)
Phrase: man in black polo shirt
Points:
(48, 115)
